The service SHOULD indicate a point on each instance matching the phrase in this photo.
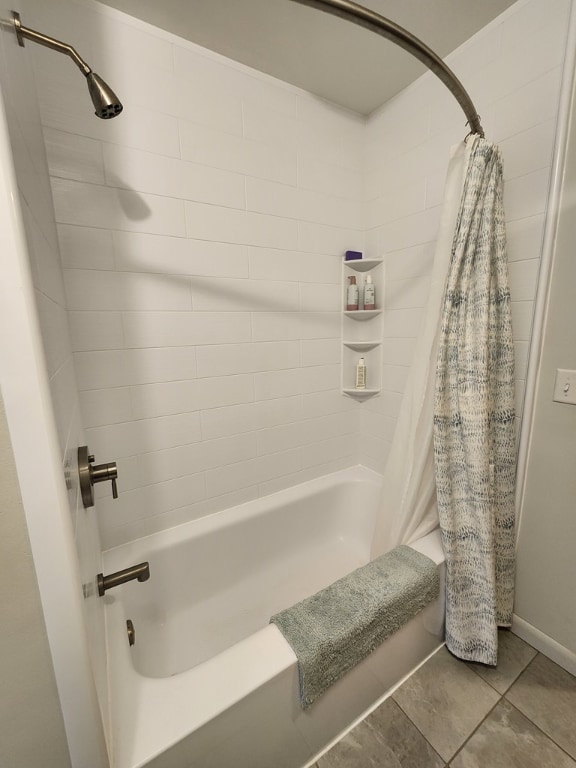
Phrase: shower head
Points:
(105, 101)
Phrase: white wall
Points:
(545, 609)
(31, 725)
(201, 233)
(512, 70)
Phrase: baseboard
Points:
(549, 647)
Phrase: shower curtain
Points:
(474, 432)
(453, 453)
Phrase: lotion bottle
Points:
(361, 374)
(369, 295)
(352, 294)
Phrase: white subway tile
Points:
(329, 450)
(320, 378)
(524, 238)
(324, 403)
(263, 123)
(315, 175)
(274, 384)
(528, 150)
(90, 289)
(209, 146)
(150, 400)
(402, 323)
(395, 377)
(277, 326)
(282, 200)
(134, 437)
(159, 175)
(177, 329)
(208, 222)
(95, 206)
(522, 315)
(136, 252)
(223, 295)
(521, 356)
(152, 500)
(320, 352)
(319, 238)
(413, 230)
(105, 406)
(119, 368)
(407, 294)
(282, 410)
(96, 330)
(530, 105)
(410, 262)
(526, 195)
(231, 420)
(85, 247)
(226, 359)
(74, 157)
(160, 466)
(400, 202)
(320, 298)
(523, 279)
(270, 264)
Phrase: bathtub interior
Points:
(183, 696)
(218, 580)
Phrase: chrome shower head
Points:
(105, 101)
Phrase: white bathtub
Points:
(210, 683)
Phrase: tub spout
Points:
(140, 572)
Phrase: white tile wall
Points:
(202, 272)
(201, 244)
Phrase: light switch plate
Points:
(565, 386)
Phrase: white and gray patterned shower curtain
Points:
(474, 434)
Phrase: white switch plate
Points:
(565, 386)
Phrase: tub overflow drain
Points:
(131, 632)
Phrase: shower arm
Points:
(371, 20)
(50, 42)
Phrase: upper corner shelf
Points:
(362, 265)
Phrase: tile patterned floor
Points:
(450, 713)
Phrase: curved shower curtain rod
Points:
(371, 20)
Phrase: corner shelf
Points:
(362, 314)
(362, 265)
(361, 345)
(362, 333)
(361, 393)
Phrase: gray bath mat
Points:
(339, 626)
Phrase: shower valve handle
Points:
(90, 474)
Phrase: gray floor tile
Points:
(446, 701)
(514, 655)
(386, 739)
(507, 739)
(547, 695)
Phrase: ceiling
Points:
(327, 56)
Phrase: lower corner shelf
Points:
(361, 392)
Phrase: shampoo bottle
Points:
(369, 296)
(352, 294)
(361, 374)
